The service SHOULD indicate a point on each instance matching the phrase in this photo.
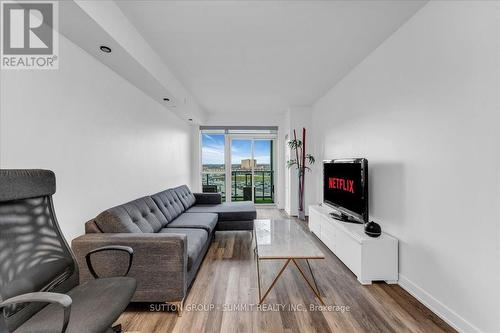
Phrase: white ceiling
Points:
(264, 56)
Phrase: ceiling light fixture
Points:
(105, 49)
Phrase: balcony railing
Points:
(217, 180)
(263, 189)
(241, 185)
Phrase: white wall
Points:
(424, 109)
(106, 141)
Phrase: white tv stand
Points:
(370, 259)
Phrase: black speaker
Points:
(373, 229)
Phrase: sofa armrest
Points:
(159, 266)
(208, 198)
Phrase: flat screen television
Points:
(345, 188)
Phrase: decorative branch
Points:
(303, 171)
(299, 147)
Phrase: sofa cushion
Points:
(185, 195)
(235, 225)
(206, 221)
(228, 211)
(109, 295)
(208, 198)
(140, 215)
(169, 204)
(196, 239)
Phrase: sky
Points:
(213, 150)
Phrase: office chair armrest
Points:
(127, 249)
(44, 297)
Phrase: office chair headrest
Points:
(18, 184)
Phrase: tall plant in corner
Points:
(298, 149)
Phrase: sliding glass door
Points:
(252, 170)
(264, 171)
(242, 167)
(239, 165)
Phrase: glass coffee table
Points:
(285, 240)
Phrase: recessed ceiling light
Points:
(105, 49)
(166, 99)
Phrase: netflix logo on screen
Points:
(343, 184)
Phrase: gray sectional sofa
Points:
(170, 233)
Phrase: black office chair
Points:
(39, 283)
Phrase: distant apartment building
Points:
(248, 163)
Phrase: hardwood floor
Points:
(228, 278)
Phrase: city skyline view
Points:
(241, 149)
(245, 181)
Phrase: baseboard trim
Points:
(441, 310)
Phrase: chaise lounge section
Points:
(170, 232)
